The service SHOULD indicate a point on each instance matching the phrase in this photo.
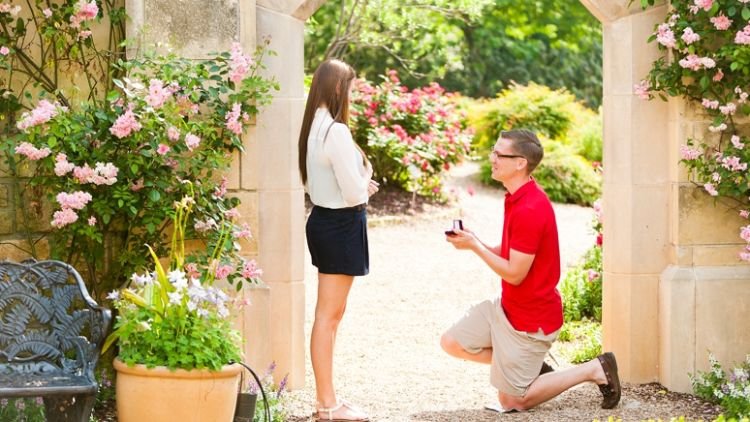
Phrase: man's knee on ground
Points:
(450, 345)
(510, 402)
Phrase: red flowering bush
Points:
(411, 137)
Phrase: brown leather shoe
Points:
(611, 390)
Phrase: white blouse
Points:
(336, 177)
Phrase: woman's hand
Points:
(372, 187)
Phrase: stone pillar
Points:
(674, 287)
(281, 196)
(636, 197)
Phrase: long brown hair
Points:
(329, 88)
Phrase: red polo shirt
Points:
(529, 227)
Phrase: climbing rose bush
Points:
(112, 171)
(709, 65)
(413, 136)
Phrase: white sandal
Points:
(330, 410)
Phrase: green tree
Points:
(556, 43)
(418, 37)
(474, 47)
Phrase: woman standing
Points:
(337, 176)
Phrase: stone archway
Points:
(670, 269)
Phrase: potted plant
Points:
(176, 342)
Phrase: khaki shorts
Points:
(517, 356)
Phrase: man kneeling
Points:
(514, 332)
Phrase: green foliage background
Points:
(476, 47)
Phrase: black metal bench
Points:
(51, 333)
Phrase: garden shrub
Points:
(570, 133)
(550, 113)
(730, 390)
(581, 288)
(585, 136)
(585, 338)
(565, 176)
(411, 137)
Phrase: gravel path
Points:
(388, 360)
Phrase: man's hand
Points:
(372, 187)
(463, 239)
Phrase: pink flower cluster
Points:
(224, 271)
(665, 36)
(711, 189)
(745, 233)
(592, 275)
(642, 89)
(221, 190)
(710, 104)
(250, 270)
(689, 36)
(728, 109)
(76, 200)
(244, 233)
(7, 8)
(701, 4)
(721, 22)
(239, 64)
(733, 163)
(62, 166)
(157, 94)
(125, 125)
(736, 142)
(687, 153)
(694, 62)
(233, 119)
(31, 152)
(192, 141)
(83, 11)
(43, 113)
(102, 174)
(743, 37)
(69, 202)
(173, 134)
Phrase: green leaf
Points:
(705, 81)
(154, 195)
(52, 142)
(134, 168)
(746, 13)
(731, 11)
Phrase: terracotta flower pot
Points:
(159, 394)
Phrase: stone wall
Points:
(674, 286)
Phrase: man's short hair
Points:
(525, 143)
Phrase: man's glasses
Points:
(496, 155)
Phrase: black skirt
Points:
(337, 239)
